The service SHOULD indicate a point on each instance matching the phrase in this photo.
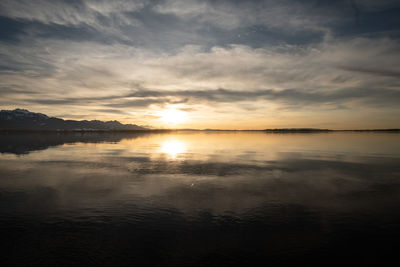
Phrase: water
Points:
(199, 198)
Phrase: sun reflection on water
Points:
(173, 148)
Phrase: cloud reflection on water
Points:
(229, 172)
(179, 198)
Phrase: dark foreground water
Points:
(206, 199)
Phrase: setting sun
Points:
(173, 116)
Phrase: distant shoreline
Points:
(22, 120)
(284, 130)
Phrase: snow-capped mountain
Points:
(22, 119)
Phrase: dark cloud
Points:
(290, 97)
(53, 101)
(15, 91)
(169, 25)
(113, 111)
(375, 71)
(10, 29)
(136, 103)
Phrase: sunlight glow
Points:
(173, 116)
(173, 148)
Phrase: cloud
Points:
(331, 72)
(62, 12)
(76, 18)
(375, 71)
(113, 111)
(228, 15)
(237, 57)
(290, 97)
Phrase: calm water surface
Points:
(198, 198)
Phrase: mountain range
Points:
(22, 119)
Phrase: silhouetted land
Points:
(294, 130)
(21, 120)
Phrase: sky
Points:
(204, 64)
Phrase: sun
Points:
(173, 116)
